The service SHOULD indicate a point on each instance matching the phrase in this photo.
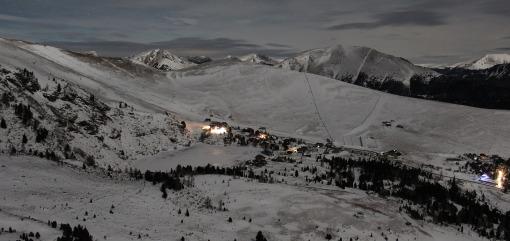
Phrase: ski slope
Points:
(256, 95)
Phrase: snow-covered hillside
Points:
(485, 62)
(163, 60)
(258, 95)
(125, 210)
(347, 63)
(57, 119)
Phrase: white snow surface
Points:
(485, 62)
(123, 209)
(198, 155)
(279, 99)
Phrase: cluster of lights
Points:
(499, 181)
(215, 130)
(262, 136)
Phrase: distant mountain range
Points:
(258, 59)
(482, 82)
(485, 62)
(486, 88)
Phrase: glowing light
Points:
(500, 178)
(293, 149)
(206, 128)
(218, 130)
(485, 178)
(262, 136)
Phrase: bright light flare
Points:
(218, 130)
(500, 178)
(262, 136)
(206, 128)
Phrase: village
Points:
(482, 169)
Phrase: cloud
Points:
(501, 49)
(13, 18)
(216, 47)
(278, 45)
(496, 7)
(398, 18)
(181, 22)
(437, 59)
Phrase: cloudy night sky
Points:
(424, 31)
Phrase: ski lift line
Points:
(317, 108)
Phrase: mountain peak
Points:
(162, 59)
(350, 62)
(258, 59)
(487, 61)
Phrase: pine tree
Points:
(3, 125)
(260, 237)
(5, 98)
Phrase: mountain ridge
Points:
(485, 62)
(347, 62)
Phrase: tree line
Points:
(424, 195)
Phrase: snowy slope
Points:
(162, 59)
(259, 95)
(121, 210)
(485, 62)
(79, 125)
(347, 62)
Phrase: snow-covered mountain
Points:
(47, 115)
(259, 95)
(258, 59)
(163, 60)
(485, 62)
(355, 65)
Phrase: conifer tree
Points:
(3, 124)
(260, 237)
